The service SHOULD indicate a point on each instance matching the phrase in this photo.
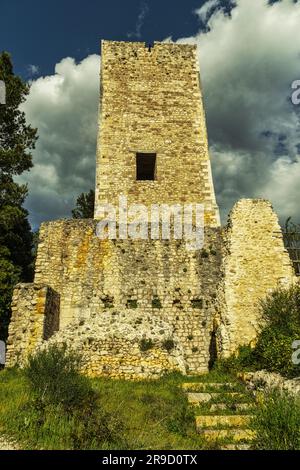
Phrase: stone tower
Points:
(152, 144)
(137, 308)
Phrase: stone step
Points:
(231, 407)
(206, 386)
(235, 447)
(204, 397)
(205, 422)
(234, 435)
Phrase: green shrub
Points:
(63, 406)
(146, 344)
(95, 427)
(108, 301)
(281, 315)
(244, 359)
(279, 328)
(276, 423)
(54, 378)
(197, 303)
(282, 309)
(168, 344)
(132, 303)
(156, 303)
(274, 351)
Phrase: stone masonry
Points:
(254, 262)
(154, 278)
(195, 296)
(137, 308)
(151, 102)
(35, 317)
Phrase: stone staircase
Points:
(222, 413)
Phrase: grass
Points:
(144, 415)
(277, 422)
(215, 375)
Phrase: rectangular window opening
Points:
(145, 166)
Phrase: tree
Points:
(84, 206)
(291, 237)
(17, 140)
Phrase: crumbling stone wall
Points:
(127, 345)
(35, 317)
(254, 263)
(154, 278)
(202, 296)
(151, 102)
(265, 381)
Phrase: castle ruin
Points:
(137, 308)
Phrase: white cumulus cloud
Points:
(248, 62)
(64, 108)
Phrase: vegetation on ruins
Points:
(281, 313)
(280, 328)
(146, 344)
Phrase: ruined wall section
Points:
(123, 345)
(159, 278)
(151, 102)
(198, 295)
(35, 317)
(254, 263)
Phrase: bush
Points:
(281, 315)
(63, 405)
(273, 352)
(282, 309)
(95, 427)
(156, 303)
(55, 379)
(280, 327)
(276, 423)
(244, 359)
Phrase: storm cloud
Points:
(249, 60)
(64, 108)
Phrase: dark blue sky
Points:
(41, 33)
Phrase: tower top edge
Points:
(143, 44)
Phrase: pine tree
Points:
(17, 140)
(84, 206)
